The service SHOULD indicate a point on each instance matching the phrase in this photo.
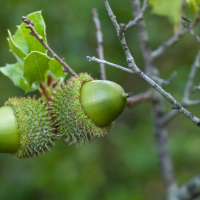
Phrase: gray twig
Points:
(139, 98)
(143, 37)
(139, 17)
(186, 102)
(175, 38)
(29, 24)
(192, 74)
(137, 71)
(109, 63)
(161, 81)
(179, 33)
(190, 190)
(129, 58)
(99, 36)
(158, 108)
(187, 24)
(195, 88)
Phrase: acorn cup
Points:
(25, 128)
(84, 108)
(80, 110)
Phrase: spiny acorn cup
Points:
(84, 108)
(25, 127)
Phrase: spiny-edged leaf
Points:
(56, 68)
(193, 5)
(35, 66)
(20, 41)
(40, 27)
(15, 73)
(169, 8)
(15, 50)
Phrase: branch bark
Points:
(160, 132)
(190, 190)
(186, 102)
(29, 24)
(99, 36)
(158, 109)
(188, 26)
(158, 100)
(170, 42)
(153, 84)
(161, 49)
(139, 98)
(138, 17)
(143, 36)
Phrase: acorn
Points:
(25, 127)
(83, 108)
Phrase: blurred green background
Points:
(124, 164)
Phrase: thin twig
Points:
(139, 98)
(160, 132)
(186, 102)
(112, 16)
(168, 117)
(190, 190)
(173, 113)
(137, 71)
(192, 74)
(138, 17)
(144, 38)
(99, 36)
(178, 34)
(191, 103)
(161, 81)
(29, 24)
(175, 38)
(187, 24)
(109, 63)
(167, 169)
(129, 58)
(158, 108)
(195, 88)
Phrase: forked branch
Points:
(186, 102)
(138, 17)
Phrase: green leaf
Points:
(15, 50)
(168, 8)
(193, 5)
(15, 73)
(20, 41)
(56, 68)
(40, 27)
(35, 66)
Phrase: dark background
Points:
(124, 164)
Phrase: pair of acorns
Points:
(80, 110)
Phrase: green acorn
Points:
(25, 127)
(84, 108)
